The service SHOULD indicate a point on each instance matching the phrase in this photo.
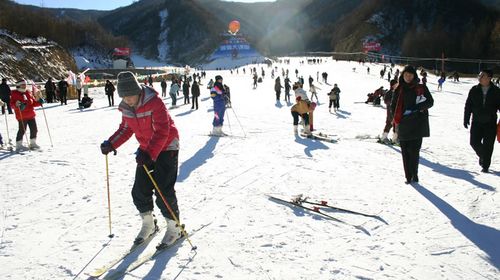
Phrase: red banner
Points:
(371, 47)
(121, 52)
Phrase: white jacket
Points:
(302, 93)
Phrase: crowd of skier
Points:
(145, 115)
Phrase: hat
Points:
(128, 84)
(21, 83)
(393, 82)
(488, 72)
(218, 77)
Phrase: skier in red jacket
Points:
(24, 104)
(145, 115)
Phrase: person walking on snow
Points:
(195, 92)
(389, 115)
(217, 93)
(483, 103)
(410, 105)
(174, 89)
(301, 108)
(24, 104)
(277, 88)
(5, 96)
(145, 115)
(334, 98)
(163, 85)
(314, 92)
(109, 89)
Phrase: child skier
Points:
(145, 115)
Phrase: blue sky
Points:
(94, 4)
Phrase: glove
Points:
(466, 124)
(107, 147)
(407, 112)
(41, 101)
(143, 158)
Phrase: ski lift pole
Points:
(168, 207)
(47, 124)
(111, 235)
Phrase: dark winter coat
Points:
(163, 85)
(63, 86)
(482, 113)
(5, 92)
(277, 85)
(414, 123)
(185, 89)
(49, 86)
(109, 88)
(388, 97)
(195, 90)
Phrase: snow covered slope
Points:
(53, 205)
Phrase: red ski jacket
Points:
(150, 122)
(30, 103)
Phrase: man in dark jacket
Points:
(63, 91)
(5, 96)
(50, 90)
(195, 92)
(409, 105)
(483, 103)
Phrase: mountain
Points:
(423, 28)
(188, 31)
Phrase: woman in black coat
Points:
(410, 103)
(195, 92)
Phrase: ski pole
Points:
(238, 120)
(7, 126)
(111, 235)
(24, 128)
(168, 207)
(229, 124)
(47, 124)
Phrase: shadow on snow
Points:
(486, 238)
(197, 159)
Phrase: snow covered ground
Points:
(53, 203)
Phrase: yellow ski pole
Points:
(168, 207)
(111, 235)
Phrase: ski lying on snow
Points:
(316, 210)
(323, 203)
(150, 256)
(105, 268)
(319, 136)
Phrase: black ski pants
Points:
(296, 115)
(111, 100)
(165, 175)
(410, 149)
(482, 140)
(7, 104)
(195, 102)
(64, 98)
(22, 129)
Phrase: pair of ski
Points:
(140, 261)
(316, 207)
(319, 136)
